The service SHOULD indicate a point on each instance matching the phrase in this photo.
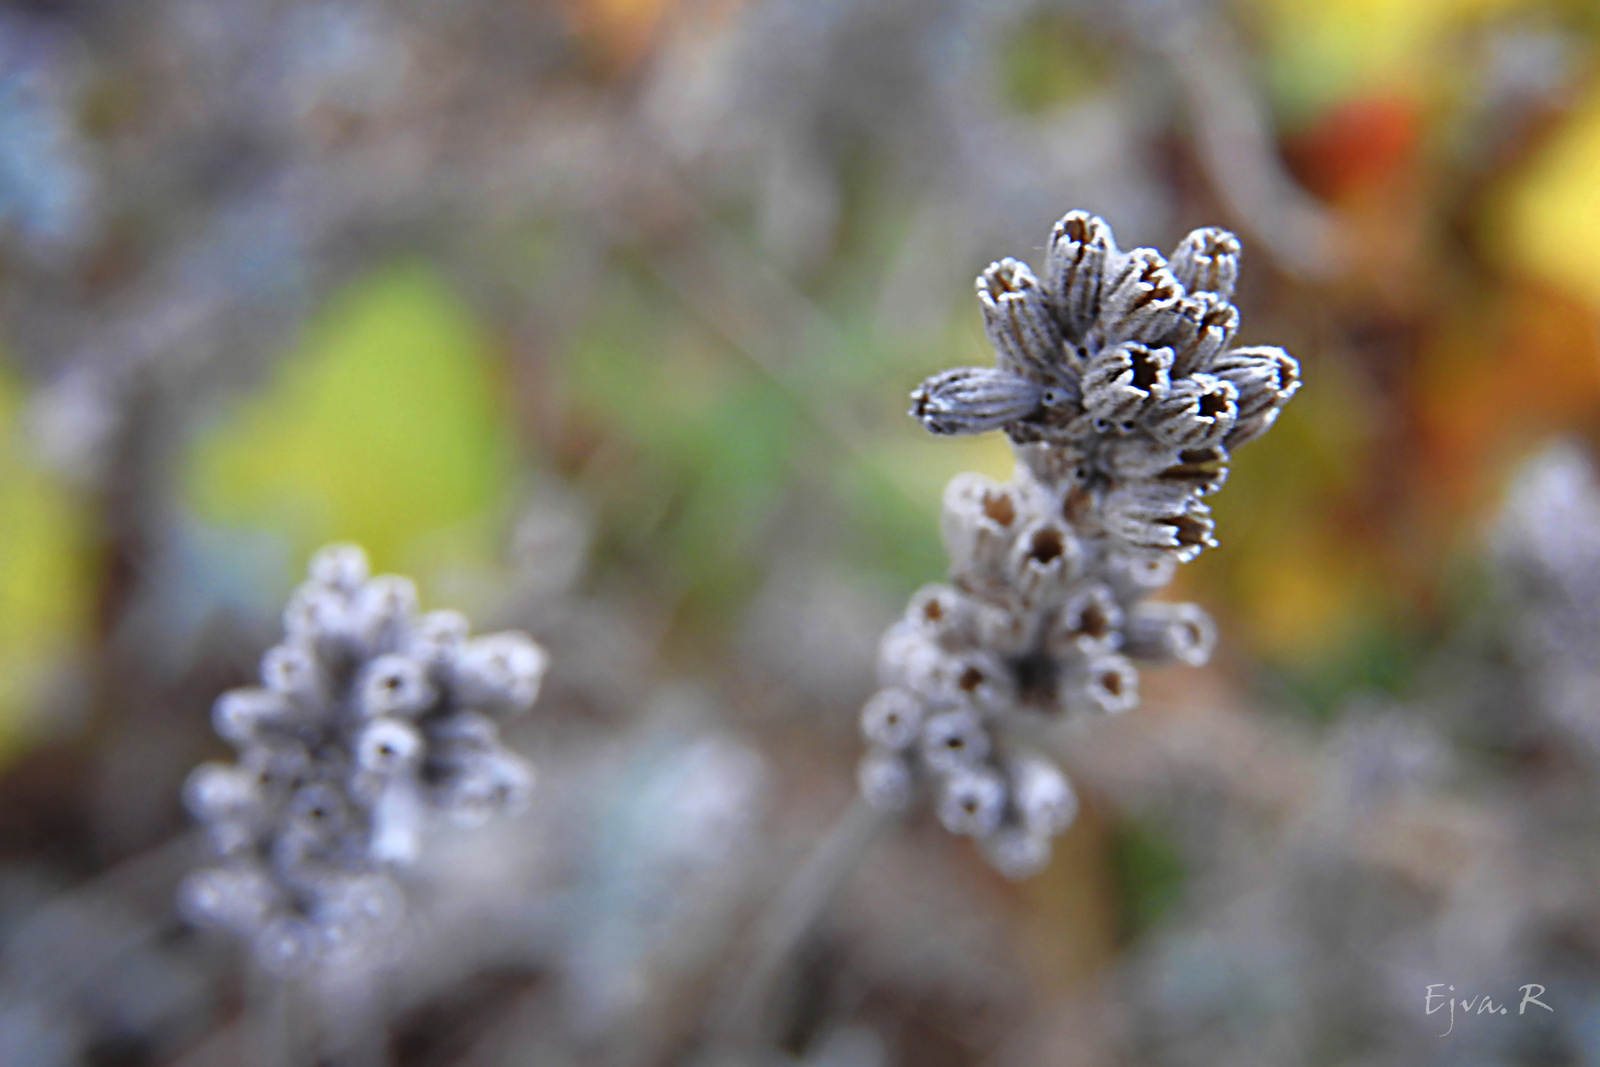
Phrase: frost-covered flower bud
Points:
(319, 617)
(1089, 624)
(464, 731)
(1141, 299)
(977, 677)
(946, 615)
(1019, 322)
(1104, 685)
(350, 909)
(1196, 413)
(318, 810)
(972, 801)
(1134, 574)
(239, 714)
(1042, 795)
(1247, 430)
(288, 945)
(1119, 381)
(382, 611)
(293, 671)
(1161, 632)
(1208, 260)
(1046, 559)
(486, 786)
(979, 522)
(500, 672)
(1205, 326)
(885, 780)
(971, 400)
(341, 568)
(892, 719)
(215, 791)
(909, 657)
(1169, 518)
(1266, 377)
(236, 898)
(1017, 852)
(436, 637)
(1074, 269)
(388, 746)
(393, 685)
(954, 739)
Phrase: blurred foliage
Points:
(1150, 874)
(48, 577)
(385, 428)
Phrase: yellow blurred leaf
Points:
(47, 576)
(1550, 226)
(383, 429)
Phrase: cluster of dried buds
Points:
(370, 717)
(1123, 398)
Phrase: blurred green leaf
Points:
(384, 428)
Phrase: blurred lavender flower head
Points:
(1117, 384)
(371, 717)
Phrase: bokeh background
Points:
(598, 318)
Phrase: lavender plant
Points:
(1118, 386)
(370, 718)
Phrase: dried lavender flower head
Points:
(371, 717)
(1117, 382)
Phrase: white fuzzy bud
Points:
(500, 672)
(1080, 246)
(892, 719)
(972, 801)
(388, 746)
(1208, 260)
(393, 685)
(1019, 321)
(1043, 796)
(1162, 632)
(341, 567)
(1141, 300)
(970, 400)
(885, 780)
(1121, 380)
(1196, 413)
(954, 739)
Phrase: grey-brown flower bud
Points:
(971, 400)
(1197, 412)
(1074, 270)
(1141, 299)
(1089, 624)
(979, 522)
(1045, 560)
(1118, 382)
(1162, 632)
(1104, 685)
(1019, 322)
(885, 780)
(972, 801)
(954, 739)
(1170, 518)
(1265, 376)
(1204, 326)
(892, 719)
(1043, 797)
(1207, 260)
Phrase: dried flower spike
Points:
(1117, 386)
(370, 717)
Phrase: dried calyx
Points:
(1116, 381)
(371, 716)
